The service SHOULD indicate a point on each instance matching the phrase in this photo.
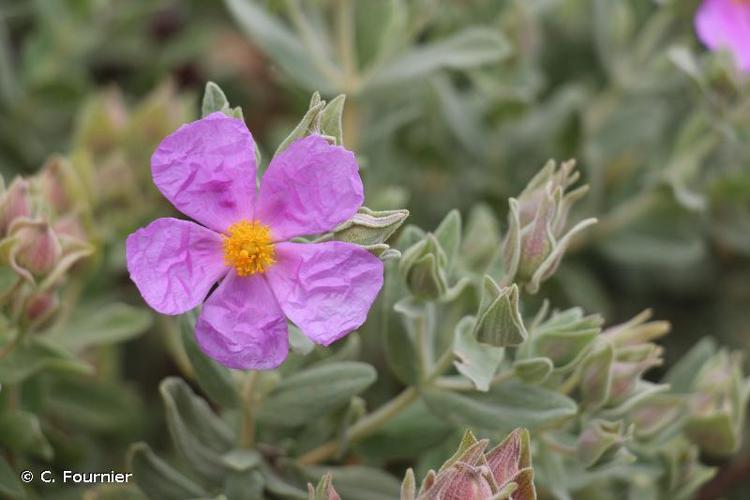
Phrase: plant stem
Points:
(363, 428)
(13, 343)
(247, 434)
(379, 417)
(347, 49)
(421, 340)
(345, 39)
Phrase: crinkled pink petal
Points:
(725, 24)
(309, 188)
(207, 170)
(174, 263)
(326, 289)
(241, 325)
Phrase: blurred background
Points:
(450, 104)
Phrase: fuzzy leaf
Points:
(37, 355)
(477, 362)
(199, 435)
(533, 370)
(309, 124)
(281, 44)
(158, 479)
(330, 119)
(20, 432)
(505, 406)
(315, 392)
(215, 379)
(9, 483)
(680, 377)
(468, 49)
(101, 325)
(213, 100)
(448, 234)
(370, 227)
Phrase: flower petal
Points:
(241, 325)
(725, 24)
(174, 263)
(326, 289)
(309, 188)
(207, 170)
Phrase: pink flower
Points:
(725, 24)
(207, 170)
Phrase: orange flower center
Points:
(248, 247)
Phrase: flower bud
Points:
(718, 406)
(536, 239)
(36, 248)
(656, 414)
(40, 306)
(601, 441)
(473, 474)
(637, 331)
(15, 202)
(102, 122)
(684, 472)
(59, 185)
(564, 337)
(499, 322)
(324, 490)
(70, 226)
(627, 374)
(462, 481)
(596, 378)
(423, 267)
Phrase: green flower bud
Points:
(601, 441)
(423, 267)
(499, 321)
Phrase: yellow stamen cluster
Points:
(248, 247)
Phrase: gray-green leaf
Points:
(213, 378)
(159, 480)
(476, 361)
(370, 227)
(282, 46)
(504, 407)
(102, 324)
(199, 435)
(468, 49)
(315, 392)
